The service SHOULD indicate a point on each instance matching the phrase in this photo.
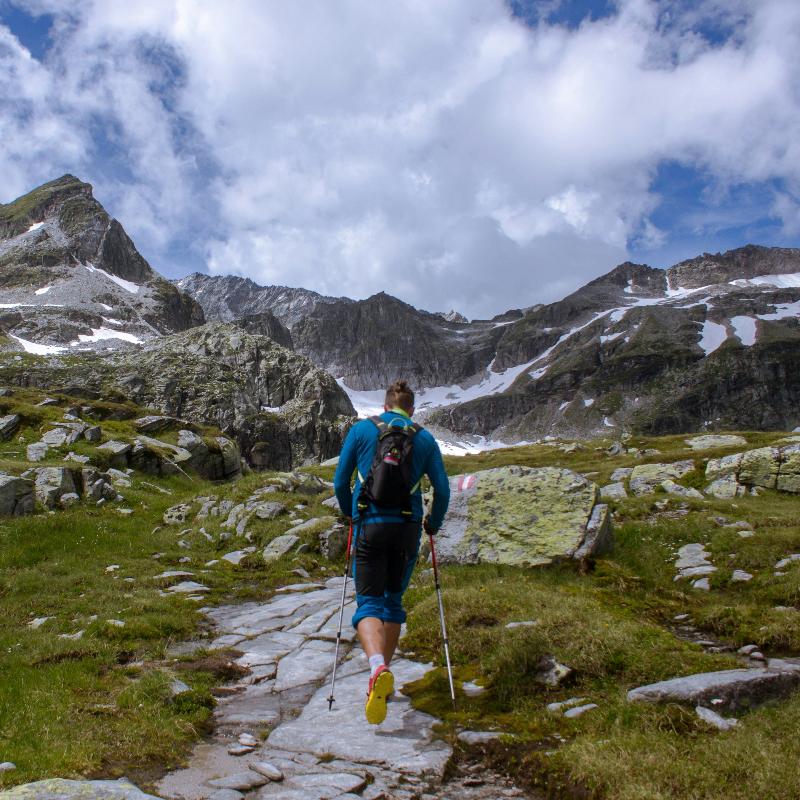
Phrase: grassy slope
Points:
(613, 627)
(101, 705)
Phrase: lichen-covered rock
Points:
(646, 477)
(711, 440)
(299, 482)
(725, 467)
(760, 467)
(524, 516)
(724, 488)
(670, 487)
(16, 496)
(613, 491)
(177, 515)
(789, 474)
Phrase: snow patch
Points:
(745, 329)
(611, 337)
(564, 405)
(713, 336)
(43, 290)
(128, 286)
(35, 226)
(112, 321)
(588, 402)
(38, 349)
(538, 373)
(785, 311)
(790, 280)
(101, 334)
(105, 307)
(272, 409)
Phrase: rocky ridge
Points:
(280, 409)
(71, 278)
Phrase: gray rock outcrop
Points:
(279, 409)
(524, 516)
(16, 496)
(732, 689)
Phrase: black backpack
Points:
(388, 482)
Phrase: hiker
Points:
(390, 454)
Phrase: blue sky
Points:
(456, 155)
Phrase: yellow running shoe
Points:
(381, 685)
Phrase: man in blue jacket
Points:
(387, 539)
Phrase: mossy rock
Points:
(521, 516)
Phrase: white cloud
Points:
(443, 152)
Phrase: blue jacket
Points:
(357, 454)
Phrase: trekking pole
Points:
(441, 619)
(332, 699)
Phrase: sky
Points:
(476, 156)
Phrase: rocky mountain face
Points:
(711, 343)
(71, 278)
(227, 297)
(367, 343)
(282, 411)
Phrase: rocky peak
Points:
(70, 276)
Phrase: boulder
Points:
(724, 488)
(524, 516)
(670, 487)
(299, 482)
(118, 453)
(713, 440)
(53, 482)
(726, 467)
(646, 477)
(735, 688)
(332, 542)
(613, 491)
(57, 437)
(280, 546)
(177, 515)
(789, 475)
(36, 451)
(16, 496)
(8, 426)
(760, 467)
(93, 434)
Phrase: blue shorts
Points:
(385, 555)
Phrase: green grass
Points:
(100, 705)
(613, 627)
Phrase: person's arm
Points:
(441, 488)
(348, 459)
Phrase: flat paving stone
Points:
(312, 662)
(404, 741)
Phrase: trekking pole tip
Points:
(331, 701)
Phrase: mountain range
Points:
(710, 343)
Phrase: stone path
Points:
(288, 644)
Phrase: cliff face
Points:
(71, 277)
